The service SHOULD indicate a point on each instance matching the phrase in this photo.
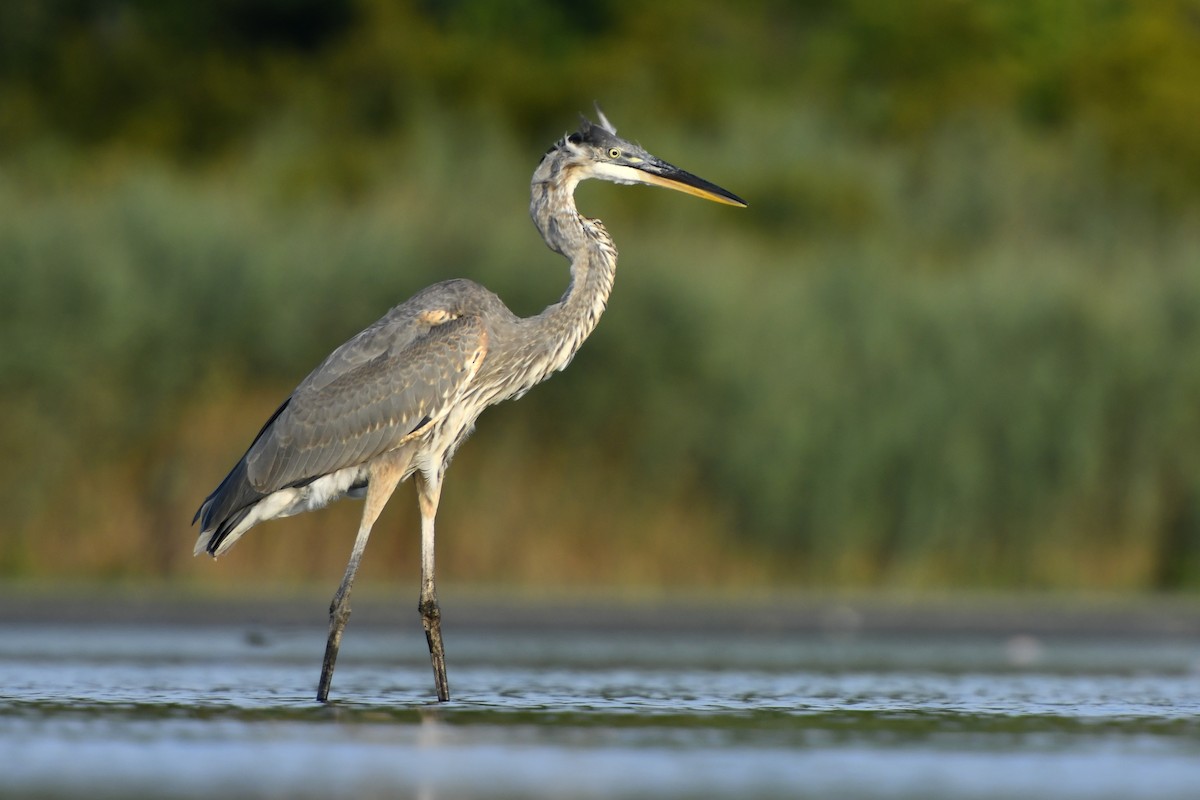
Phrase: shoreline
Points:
(685, 612)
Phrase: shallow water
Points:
(192, 711)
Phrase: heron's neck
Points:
(586, 244)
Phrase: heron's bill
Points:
(688, 183)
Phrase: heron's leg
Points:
(381, 483)
(428, 494)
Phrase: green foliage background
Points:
(954, 341)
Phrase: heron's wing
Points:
(379, 389)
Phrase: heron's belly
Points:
(293, 500)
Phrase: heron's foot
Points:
(326, 673)
(339, 615)
(431, 618)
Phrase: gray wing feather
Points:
(372, 393)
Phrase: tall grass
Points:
(972, 361)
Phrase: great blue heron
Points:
(400, 397)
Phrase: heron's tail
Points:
(223, 514)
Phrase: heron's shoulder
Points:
(404, 327)
(457, 297)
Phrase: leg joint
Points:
(429, 608)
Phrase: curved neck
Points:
(586, 244)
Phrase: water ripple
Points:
(196, 712)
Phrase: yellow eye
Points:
(614, 152)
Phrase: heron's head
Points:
(595, 151)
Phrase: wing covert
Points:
(371, 394)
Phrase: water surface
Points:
(167, 710)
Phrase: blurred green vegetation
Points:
(953, 342)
